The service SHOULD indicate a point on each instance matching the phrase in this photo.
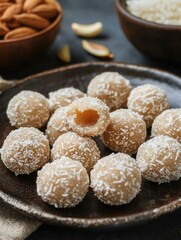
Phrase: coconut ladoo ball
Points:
(25, 150)
(116, 179)
(168, 123)
(76, 147)
(28, 109)
(110, 87)
(159, 159)
(63, 97)
(57, 125)
(62, 183)
(126, 131)
(149, 101)
(88, 116)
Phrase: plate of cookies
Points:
(92, 145)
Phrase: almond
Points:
(19, 33)
(64, 54)
(97, 50)
(13, 24)
(20, 2)
(29, 4)
(3, 1)
(4, 6)
(88, 30)
(54, 3)
(32, 20)
(45, 10)
(10, 12)
(3, 29)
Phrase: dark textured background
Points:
(167, 227)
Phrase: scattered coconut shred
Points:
(160, 11)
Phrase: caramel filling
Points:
(86, 118)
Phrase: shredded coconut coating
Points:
(159, 11)
(25, 150)
(168, 123)
(95, 106)
(159, 159)
(149, 101)
(110, 87)
(126, 131)
(28, 109)
(63, 97)
(57, 125)
(62, 183)
(76, 147)
(116, 179)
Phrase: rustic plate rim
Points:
(109, 222)
(25, 209)
(140, 67)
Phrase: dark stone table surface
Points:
(167, 227)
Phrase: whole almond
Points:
(20, 2)
(3, 29)
(13, 24)
(54, 3)
(10, 12)
(29, 4)
(4, 6)
(19, 33)
(32, 20)
(45, 10)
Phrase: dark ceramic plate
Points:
(153, 200)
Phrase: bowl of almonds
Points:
(27, 29)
